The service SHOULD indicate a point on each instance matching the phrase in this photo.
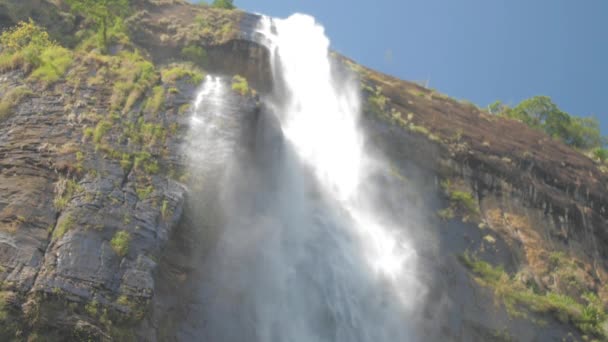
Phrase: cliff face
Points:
(95, 240)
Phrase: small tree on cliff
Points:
(225, 4)
(103, 12)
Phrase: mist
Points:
(315, 242)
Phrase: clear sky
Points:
(479, 50)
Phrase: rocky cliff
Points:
(94, 234)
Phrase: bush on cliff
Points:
(225, 4)
(105, 14)
(541, 113)
(28, 47)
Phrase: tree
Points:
(103, 12)
(225, 4)
(541, 113)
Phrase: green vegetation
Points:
(100, 130)
(224, 4)
(106, 14)
(460, 201)
(11, 99)
(22, 45)
(4, 314)
(92, 308)
(65, 224)
(376, 101)
(120, 243)
(195, 54)
(136, 307)
(240, 85)
(541, 113)
(65, 189)
(133, 75)
(587, 313)
(164, 209)
(600, 154)
(144, 192)
(29, 47)
(180, 71)
(446, 214)
(54, 62)
(156, 102)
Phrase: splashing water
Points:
(320, 120)
(302, 255)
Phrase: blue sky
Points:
(480, 50)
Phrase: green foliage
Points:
(92, 308)
(465, 199)
(25, 35)
(224, 4)
(11, 99)
(601, 154)
(100, 130)
(144, 192)
(54, 62)
(120, 243)
(126, 161)
(240, 85)
(105, 14)
(156, 102)
(178, 72)
(29, 47)
(446, 214)
(4, 312)
(460, 200)
(588, 315)
(195, 54)
(134, 75)
(65, 224)
(164, 210)
(65, 189)
(376, 101)
(541, 113)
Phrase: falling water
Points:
(303, 253)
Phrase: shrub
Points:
(465, 199)
(65, 224)
(173, 74)
(143, 193)
(100, 130)
(92, 308)
(376, 102)
(65, 190)
(164, 210)
(600, 154)
(461, 200)
(224, 4)
(541, 113)
(24, 46)
(120, 243)
(156, 102)
(240, 85)
(11, 99)
(134, 75)
(588, 315)
(195, 54)
(105, 14)
(54, 62)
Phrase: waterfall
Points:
(304, 253)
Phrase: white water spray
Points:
(320, 118)
(302, 255)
